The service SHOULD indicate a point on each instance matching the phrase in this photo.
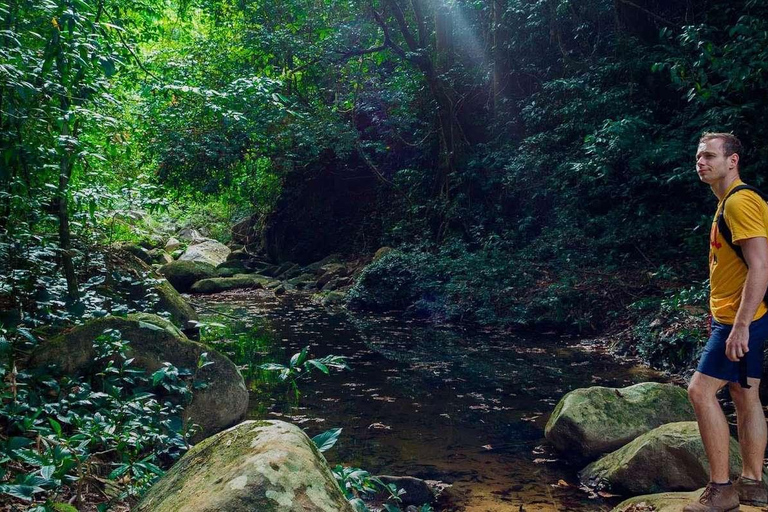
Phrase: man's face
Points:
(711, 163)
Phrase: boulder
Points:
(330, 272)
(172, 244)
(668, 458)
(417, 491)
(265, 466)
(233, 265)
(159, 256)
(246, 231)
(192, 235)
(222, 284)
(238, 254)
(316, 266)
(138, 251)
(220, 398)
(183, 274)
(667, 502)
(179, 309)
(591, 421)
(208, 251)
(303, 281)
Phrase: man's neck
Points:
(720, 187)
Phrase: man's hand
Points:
(737, 344)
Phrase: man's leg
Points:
(752, 428)
(712, 424)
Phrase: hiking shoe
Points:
(751, 492)
(716, 498)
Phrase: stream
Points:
(463, 407)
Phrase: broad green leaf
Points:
(327, 439)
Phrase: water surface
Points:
(463, 407)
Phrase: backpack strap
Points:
(722, 226)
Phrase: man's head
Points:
(717, 156)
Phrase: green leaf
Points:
(56, 426)
(299, 358)
(320, 366)
(64, 507)
(23, 492)
(327, 439)
(47, 472)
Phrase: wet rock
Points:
(209, 251)
(668, 458)
(220, 398)
(667, 502)
(222, 284)
(265, 466)
(183, 274)
(383, 251)
(417, 491)
(591, 421)
(172, 244)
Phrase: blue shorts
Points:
(714, 361)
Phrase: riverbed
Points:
(463, 407)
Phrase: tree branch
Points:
(397, 12)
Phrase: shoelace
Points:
(710, 492)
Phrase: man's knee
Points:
(698, 393)
(702, 389)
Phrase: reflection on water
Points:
(464, 407)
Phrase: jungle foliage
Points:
(531, 159)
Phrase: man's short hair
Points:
(731, 143)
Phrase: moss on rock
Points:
(183, 274)
(668, 458)
(269, 466)
(220, 398)
(222, 284)
(591, 421)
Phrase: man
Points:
(739, 329)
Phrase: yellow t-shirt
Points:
(746, 215)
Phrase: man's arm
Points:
(755, 252)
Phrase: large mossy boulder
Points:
(591, 421)
(668, 458)
(183, 274)
(667, 502)
(264, 466)
(220, 398)
(223, 284)
(208, 251)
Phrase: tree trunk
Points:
(65, 171)
(499, 36)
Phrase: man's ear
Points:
(734, 160)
